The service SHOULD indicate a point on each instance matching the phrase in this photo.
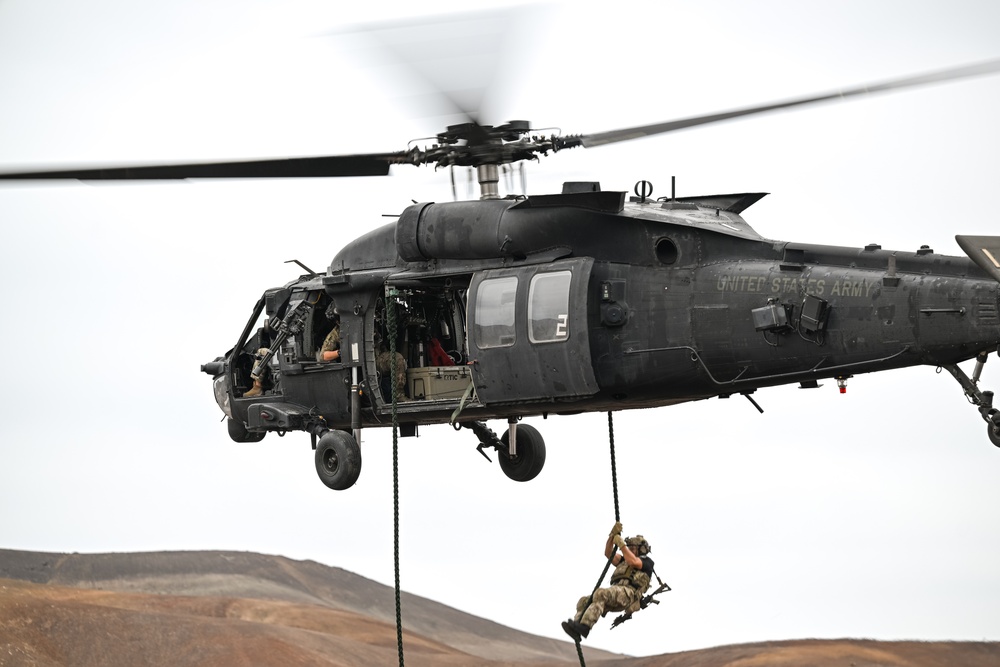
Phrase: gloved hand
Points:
(617, 528)
(620, 542)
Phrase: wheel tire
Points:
(239, 433)
(994, 436)
(338, 460)
(530, 454)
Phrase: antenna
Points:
(306, 268)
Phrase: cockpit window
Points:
(494, 321)
(548, 307)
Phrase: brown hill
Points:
(182, 581)
(234, 609)
(830, 653)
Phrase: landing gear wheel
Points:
(530, 454)
(991, 431)
(239, 433)
(338, 460)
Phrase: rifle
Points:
(644, 602)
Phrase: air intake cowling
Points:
(453, 230)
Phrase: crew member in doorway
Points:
(383, 364)
(330, 349)
(258, 382)
(630, 580)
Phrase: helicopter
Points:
(578, 301)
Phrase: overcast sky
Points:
(870, 514)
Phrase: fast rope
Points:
(614, 471)
(614, 488)
(391, 307)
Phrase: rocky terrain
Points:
(233, 609)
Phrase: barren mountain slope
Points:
(830, 653)
(220, 609)
(249, 575)
(58, 625)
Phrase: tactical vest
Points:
(626, 575)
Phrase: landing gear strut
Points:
(521, 448)
(981, 399)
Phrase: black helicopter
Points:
(585, 300)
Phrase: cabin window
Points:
(548, 307)
(495, 300)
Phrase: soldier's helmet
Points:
(638, 545)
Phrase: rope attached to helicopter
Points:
(391, 316)
(646, 599)
(614, 488)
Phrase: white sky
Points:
(866, 515)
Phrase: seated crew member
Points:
(383, 364)
(629, 582)
(258, 383)
(330, 349)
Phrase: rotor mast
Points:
(489, 181)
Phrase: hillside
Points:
(231, 609)
(207, 583)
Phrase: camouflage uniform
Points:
(627, 586)
(330, 343)
(383, 364)
(258, 385)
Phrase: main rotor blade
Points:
(601, 138)
(453, 65)
(375, 164)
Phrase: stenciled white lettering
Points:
(795, 285)
(780, 284)
(852, 288)
(727, 283)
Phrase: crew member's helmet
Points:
(638, 545)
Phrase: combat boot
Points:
(575, 629)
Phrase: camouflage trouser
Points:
(383, 364)
(613, 598)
